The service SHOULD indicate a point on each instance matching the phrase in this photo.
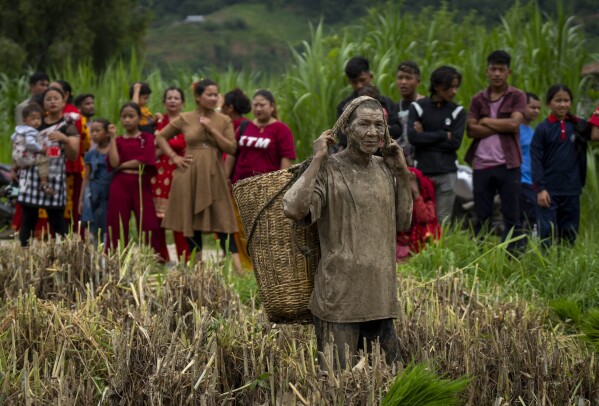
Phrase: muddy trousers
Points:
(353, 335)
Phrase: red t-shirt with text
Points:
(261, 151)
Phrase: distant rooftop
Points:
(194, 19)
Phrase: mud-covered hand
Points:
(321, 145)
(395, 160)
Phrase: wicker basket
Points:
(285, 257)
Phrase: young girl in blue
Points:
(559, 164)
(98, 179)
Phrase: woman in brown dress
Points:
(199, 200)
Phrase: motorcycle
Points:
(463, 209)
(8, 197)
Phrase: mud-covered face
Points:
(367, 131)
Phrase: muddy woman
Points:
(359, 201)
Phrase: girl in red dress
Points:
(133, 157)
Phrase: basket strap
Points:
(297, 172)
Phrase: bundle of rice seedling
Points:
(419, 385)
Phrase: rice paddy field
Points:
(477, 327)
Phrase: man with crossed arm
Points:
(493, 123)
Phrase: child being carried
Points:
(28, 148)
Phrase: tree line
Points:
(47, 34)
(43, 34)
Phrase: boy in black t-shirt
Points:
(407, 81)
(358, 75)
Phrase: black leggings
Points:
(58, 224)
(195, 242)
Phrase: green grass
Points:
(537, 275)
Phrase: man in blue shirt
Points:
(528, 197)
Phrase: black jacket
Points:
(559, 158)
(434, 154)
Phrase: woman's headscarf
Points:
(343, 120)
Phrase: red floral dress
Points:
(161, 182)
(425, 226)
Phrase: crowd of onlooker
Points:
(538, 174)
(173, 170)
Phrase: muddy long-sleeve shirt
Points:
(358, 210)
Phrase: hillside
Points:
(252, 35)
(241, 35)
